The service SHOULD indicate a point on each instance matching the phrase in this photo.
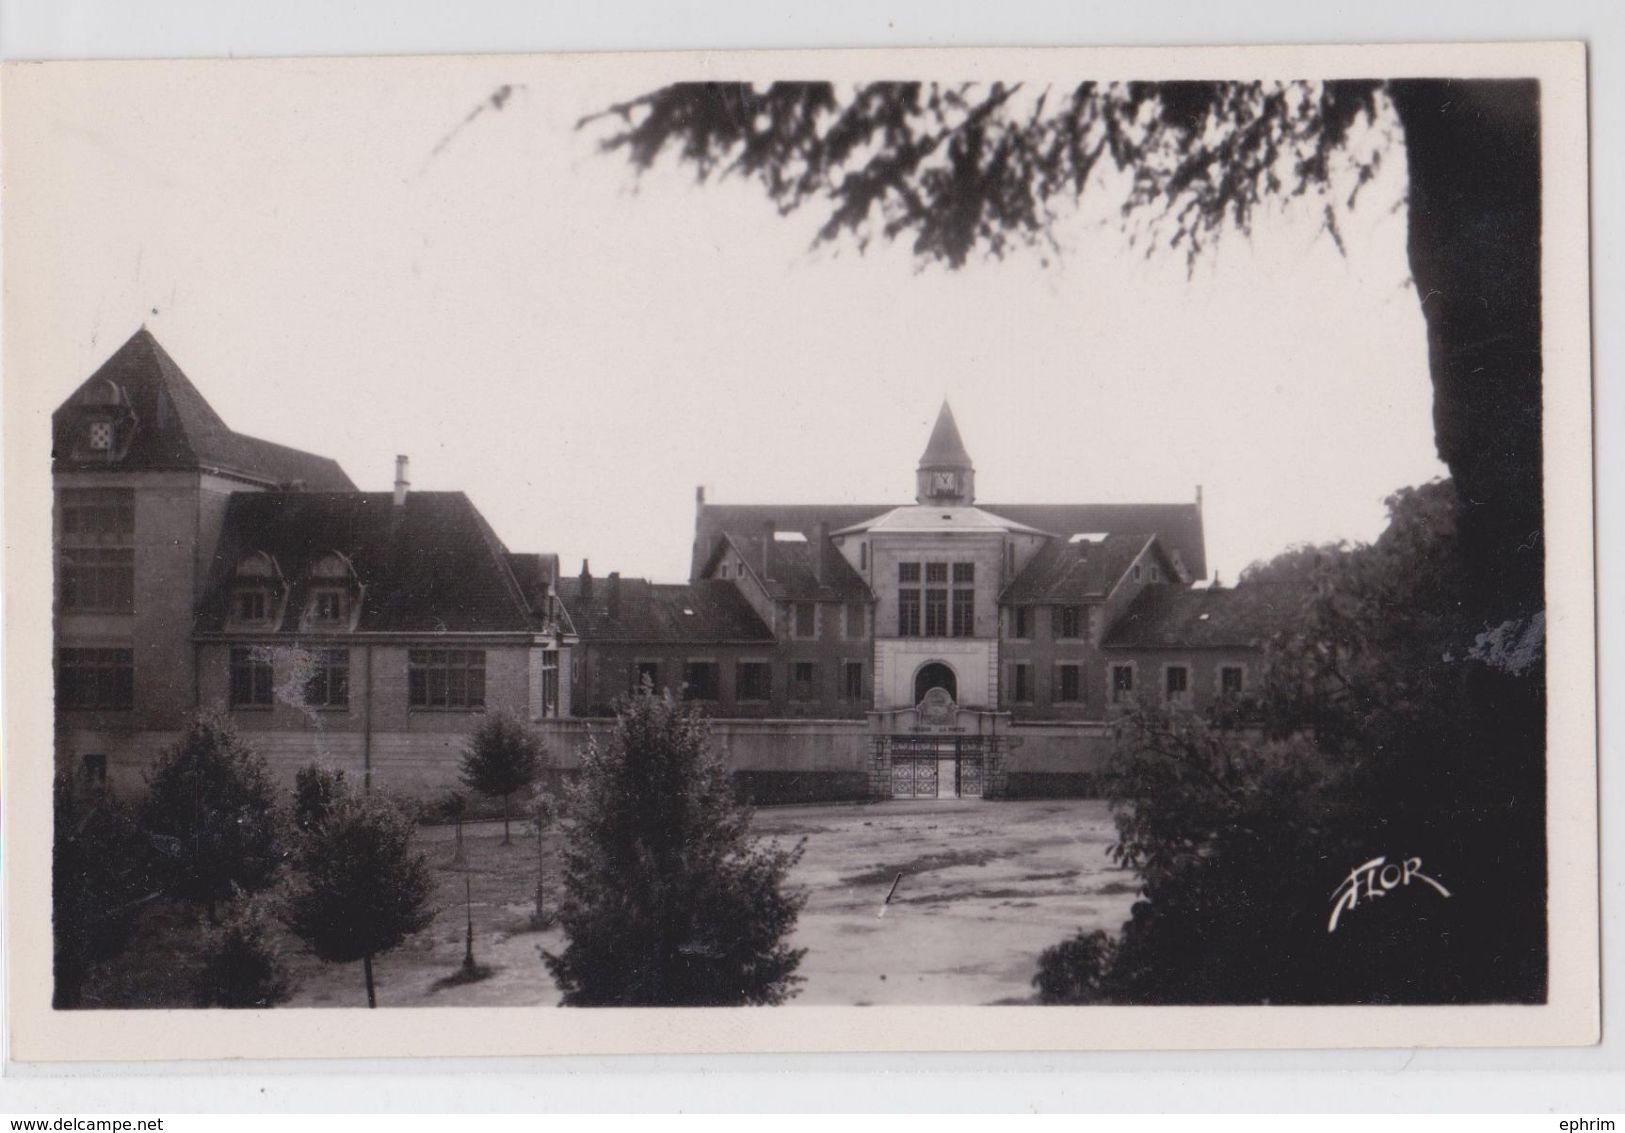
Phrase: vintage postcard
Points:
(925, 550)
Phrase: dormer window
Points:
(327, 606)
(256, 591)
(334, 592)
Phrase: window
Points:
(857, 621)
(936, 612)
(95, 678)
(852, 680)
(1136, 572)
(1021, 683)
(1177, 683)
(550, 683)
(806, 619)
(98, 580)
(329, 683)
(1122, 683)
(724, 571)
(964, 600)
(804, 680)
(1023, 619)
(445, 678)
(936, 573)
(98, 515)
(251, 605)
(1156, 573)
(1069, 684)
(1067, 621)
(1232, 680)
(753, 680)
(645, 676)
(863, 556)
(908, 572)
(328, 606)
(250, 676)
(908, 613)
(702, 680)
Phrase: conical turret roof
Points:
(945, 449)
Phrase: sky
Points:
(341, 259)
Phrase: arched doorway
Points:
(935, 675)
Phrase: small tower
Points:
(945, 475)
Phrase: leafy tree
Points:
(211, 810)
(503, 756)
(1388, 725)
(315, 790)
(667, 900)
(99, 877)
(242, 965)
(1074, 971)
(968, 169)
(364, 887)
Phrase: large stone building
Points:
(942, 647)
(198, 568)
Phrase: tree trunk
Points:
(1473, 153)
(366, 969)
(507, 836)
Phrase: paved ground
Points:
(986, 887)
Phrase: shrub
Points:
(242, 966)
(100, 872)
(1075, 970)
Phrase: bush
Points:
(667, 900)
(315, 790)
(212, 813)
(100, 872)
(365, 887)
(1075, 970)
(242, 966)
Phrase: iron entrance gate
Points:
(937, 767)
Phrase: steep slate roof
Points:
(177, 429)
(792, 570)
(945, 448)
(1174, 617)
(1177, 526)
(433, 565)
(1065, 572)
(709, 611)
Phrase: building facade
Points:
(943, 647)
(201, 569)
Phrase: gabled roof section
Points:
(430, 566)
(945, 449)
(1177, 526)
(174, 428)
(1063, 571)
(922, 518)
(634, 610)
(792, 568)
(1175, 617)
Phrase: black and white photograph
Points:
(1057, 533)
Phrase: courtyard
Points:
(984, 888)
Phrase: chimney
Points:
(401, 482)
(613, 599)
(586, 580)
(821, 551)
(767, 546)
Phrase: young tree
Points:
(315, 790)
(100, 874)
(667, 900)
(364, 887)
(502, 757)
(211, 811)
(242, 965)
